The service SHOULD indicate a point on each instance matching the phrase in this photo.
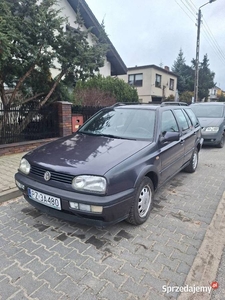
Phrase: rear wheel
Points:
(191, 168)
(142, 203)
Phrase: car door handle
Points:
(182, 142)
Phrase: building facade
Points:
(113, 65)
(153, 83)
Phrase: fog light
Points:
(84, 207)
(74, 205)
(96, 209)
(20, 185)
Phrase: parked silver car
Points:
(211, 116)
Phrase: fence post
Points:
(64, 118)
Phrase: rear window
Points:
(192, 116)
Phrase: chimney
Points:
(167, 68)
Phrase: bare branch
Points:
(20, 83)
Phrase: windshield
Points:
(128, 123)
(208, 111)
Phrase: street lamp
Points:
(197, 52)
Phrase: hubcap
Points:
(144, 201)
(195, 160)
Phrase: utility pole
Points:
(197, 52)
(197, 57)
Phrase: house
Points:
(153, 83)
(114, 65)
(214, 93)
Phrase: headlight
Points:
(212, 129)
(24, 166)
(95, 184)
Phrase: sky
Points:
(146, 32)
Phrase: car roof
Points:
(208, 103)
(150, 106)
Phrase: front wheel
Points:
(221, 143)
(191, 168)
(142, 203)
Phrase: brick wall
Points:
(22, 146)
(64, 117)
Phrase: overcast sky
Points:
(148, 32)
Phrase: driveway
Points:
(45, 258)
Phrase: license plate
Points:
(45, 199)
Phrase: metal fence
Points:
(26, 123)
(85, 111)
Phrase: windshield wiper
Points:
(117, 137)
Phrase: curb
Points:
(204, 269)
(9, 194)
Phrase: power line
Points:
(214, 41)
(188, 8)
(185, 11)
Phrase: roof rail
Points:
(117, 104)
(174, 103)
(125, 103)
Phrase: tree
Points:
(33, 41)
(221, 98)
(206, 78)
(185, 81)
(103, 91)
(186, 97)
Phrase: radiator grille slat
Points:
(56, 176)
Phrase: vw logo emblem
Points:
(47, 175)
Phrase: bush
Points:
(104, 91)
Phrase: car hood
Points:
(206, 122)
(84, 154)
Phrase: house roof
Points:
(165, 70)
(117, 65)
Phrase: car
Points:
(109, 170)
(211, 116)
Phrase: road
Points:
(45, 258)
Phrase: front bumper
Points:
(115, 207)
(211, 139)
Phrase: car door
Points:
(188, 135)
(171, 153)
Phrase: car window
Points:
(122, 123)
(208, 111)
(181, 119)
(192, 116)
(169, 123)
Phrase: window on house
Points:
(158, 79)
(214, 92)
(171, 84)
(135, 79)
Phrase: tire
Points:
(221, 143)
(142, 203)
(191, 168)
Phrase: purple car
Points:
(110, 168)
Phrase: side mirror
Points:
(170, 137)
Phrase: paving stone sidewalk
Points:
(8, 167)
(45, 258)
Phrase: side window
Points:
(187, 118)
(192, 116)
(181, 119)
(169, 123)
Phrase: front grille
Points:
(56, 176)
